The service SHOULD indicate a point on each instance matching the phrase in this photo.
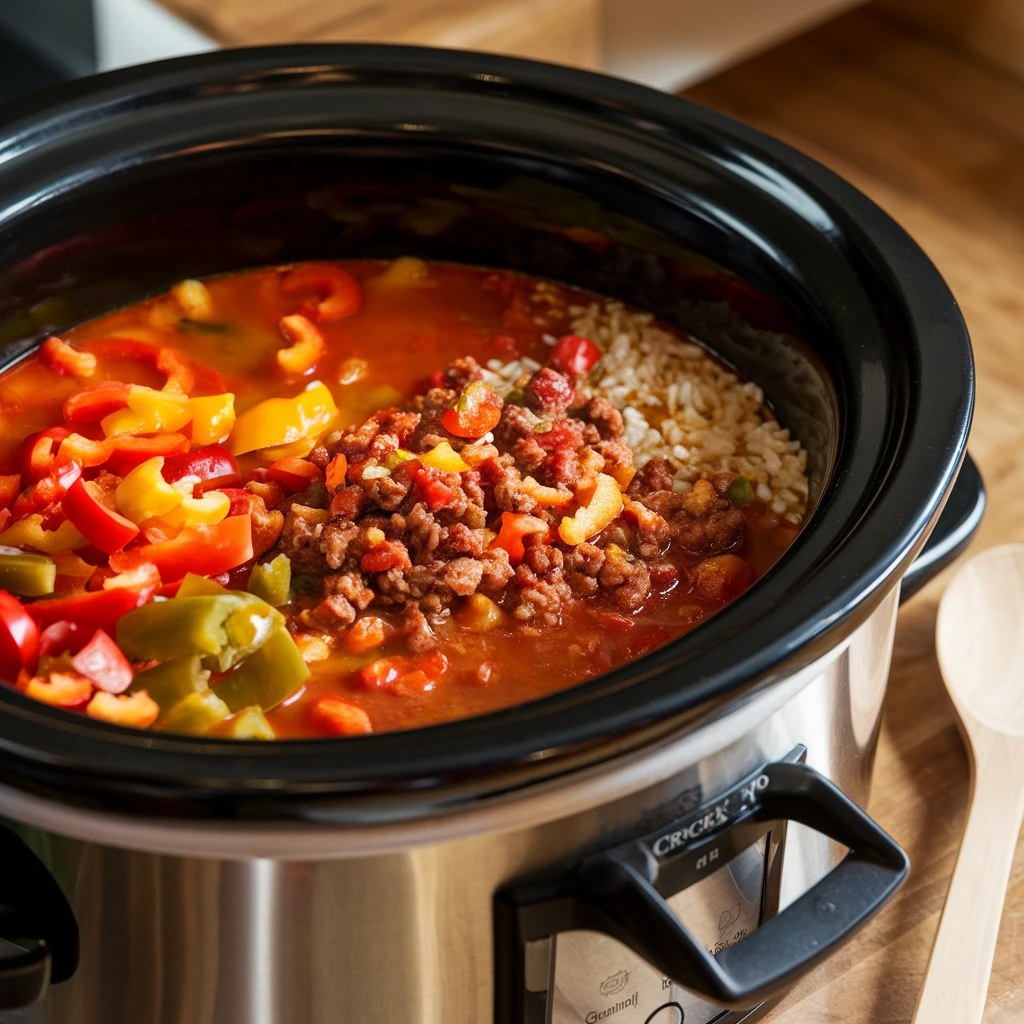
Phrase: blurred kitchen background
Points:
(669, 44)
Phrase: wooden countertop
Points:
(937, 139)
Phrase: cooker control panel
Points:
(673, 925)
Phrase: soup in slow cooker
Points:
(341, 498)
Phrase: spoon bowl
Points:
(980, 642)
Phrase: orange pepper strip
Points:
(295, 473)
(67, 360)
(514, 527)
(306, 341)
(336, 470)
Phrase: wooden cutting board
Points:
(936, 138)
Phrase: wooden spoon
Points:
(980, 639)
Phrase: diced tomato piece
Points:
(336, 290)
(574, 355)
(401, 672)
(215, 466)
(476, 411)
(367, 633)
(389, 555)
(721, 578)
(341, 718)
(431, 487)
(205, 550)
(103, 527)
(64, 359)
(91, 403)
(296, 474)
(99, 609)
(101, 661)
(19, 638)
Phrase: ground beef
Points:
(402, 535)
(701, 520)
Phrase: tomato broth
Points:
(394, 634)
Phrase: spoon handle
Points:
(958, 974)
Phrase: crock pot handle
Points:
(953, 531)
(24, 964)
(620, 890)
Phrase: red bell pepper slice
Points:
(204, 550)
(101, 526)
(63, 637)
(337, 291)
(10, 488)
(19, 638)
(91, 403)
(37, 451)
(178, 372)
(295, 473)
(574, 355)
(54, 485)
(101, 661)
(99, 609)
(215, 466)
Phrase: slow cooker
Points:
(679, 839)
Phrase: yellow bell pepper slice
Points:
(289, 426)
(144, 494)
(444, 456)
(29, 533)
(213, 418)
(148, 412)
(211, 508)
(602, 506)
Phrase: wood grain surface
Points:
(936, 137)
(563, 31)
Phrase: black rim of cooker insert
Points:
(906, 396)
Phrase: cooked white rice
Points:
(680, 404)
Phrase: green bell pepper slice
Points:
(194, 585)
(26, 573)
(196, 715)
(171, 682)
(268, 676)
(272, 581)
(740, 491)
(222, 628)
(248, 724)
